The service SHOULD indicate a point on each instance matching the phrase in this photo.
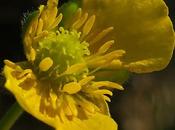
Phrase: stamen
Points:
(27, 83)
(107, 84)
(116, 54)
(62, 115)
(40, 36)
(67, 110)
(72, 87)
(52, 16)
(32, 54)
(57, 21)
(10, 64)
(78, 14)
(115, 64)
(41, 8)
(85, 104)
(101, 35)
(102, 92)
(28, 41)
(106, 98)
(40, 26)
(53, 99)
(45, 64)
(97, 63)
(34, 27)
(44, 17)
(102, 61)
(77, 24)
(52, 3)
(88, 25)
(72, 104)
(25, 73)
(104, 48)
(112, 56)
(86, 80)
(75, 68)
(62, 30)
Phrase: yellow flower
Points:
(57, 82)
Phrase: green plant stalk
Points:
(10, 117)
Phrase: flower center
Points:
(59, 52)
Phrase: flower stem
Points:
(10, 117)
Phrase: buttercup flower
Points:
(57, 84)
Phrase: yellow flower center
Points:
(57, 53)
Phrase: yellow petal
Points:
(141, 27)
(29, 99)
(96, 122)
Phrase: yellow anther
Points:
(61, 29)
(72, 105)
(78, 24)
(106, 98)
(32, 54)
(34, 27)
(45, 64)
(75, 68)
(72, 88)
(53, 100)
(30, 29)
(96, 63)
(57, 21)
(85, 104)
(88, 25)
(86, 80)
(62, 115)
(26, 73)
(103, 91)
(10, 64)
(41, 8)
(104, 48)
(52, 16)
(114, 54)
(107, 84)
(40, 26)
(40, 36)
(67, 110)
(115, 64)
(28, 83)
(27, 41)
(78, 14)
(101, 35)
(52, 3)
(105, 60)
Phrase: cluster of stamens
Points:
(62, 65)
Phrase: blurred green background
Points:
(147, 103)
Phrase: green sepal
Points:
(68, 10)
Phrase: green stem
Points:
(10, 117)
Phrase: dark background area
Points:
(148, 102)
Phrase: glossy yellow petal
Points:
(29, 99)
(141, 27)
(96, 122)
